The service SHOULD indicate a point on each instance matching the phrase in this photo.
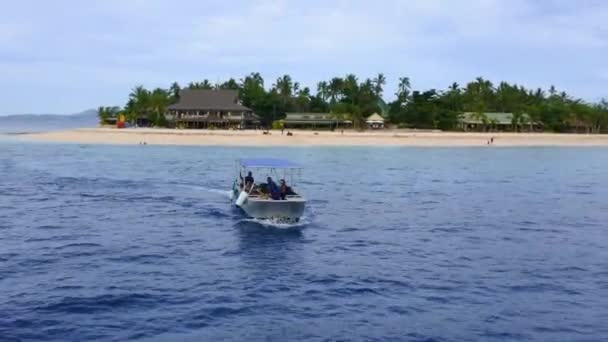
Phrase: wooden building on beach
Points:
(203, 108)
(315, 121)
(375, 121)
(502, 122)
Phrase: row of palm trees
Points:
(142, 103)
(359, 98)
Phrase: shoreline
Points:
(160, 136)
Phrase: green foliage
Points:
(205, 84)
(347, 111)
(174, 91)
(105, 113)
(349, 97)
(278, 124)
(440, 109)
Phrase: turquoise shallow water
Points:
(464, 244)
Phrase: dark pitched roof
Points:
(203, 99)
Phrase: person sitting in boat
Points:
(273, 189)
(248, 180)
(261, 189)
(285, 190)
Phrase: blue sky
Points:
(64, 56)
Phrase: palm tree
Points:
(175, 89)
(403, 90)
(140, 101)
(284, 86)
(479, 95)
(304, 92)
(487, 89)
(336, 88)
(322, 90)
(257, 78)
(104, 113)
(140, 97)
(252, 90)
(303, 99)
(201, 85)
(453, 98)
(296, 88)
(231, 84)
(454, 87)
(158, 101)
(351, 87)
(503, 96)
(552, 90)
(379, 82)
(206, 85)
(368, 86)
(540, 94)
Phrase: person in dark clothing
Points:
(285, 190)
(273, 189)
(248, 180)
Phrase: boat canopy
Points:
(268, 163)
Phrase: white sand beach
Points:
(152, 136)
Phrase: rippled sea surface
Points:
(398, 244)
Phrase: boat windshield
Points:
(281, 171)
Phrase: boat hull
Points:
(285, 210)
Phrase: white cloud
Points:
(433, 41)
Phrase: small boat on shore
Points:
(274, 196)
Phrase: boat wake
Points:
(276, 224)
(224, 193)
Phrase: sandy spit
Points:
(152, 136)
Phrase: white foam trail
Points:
(271, 223)
(225, 193)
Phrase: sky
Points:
(65, 56)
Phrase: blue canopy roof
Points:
(270, 163)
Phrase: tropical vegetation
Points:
(354, 98)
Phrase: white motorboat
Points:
(261, 200)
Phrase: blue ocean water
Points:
(115, 243)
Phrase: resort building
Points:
(375, 121)
(202, 108)
(481, 122)
(315, 121)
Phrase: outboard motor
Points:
(242, 198)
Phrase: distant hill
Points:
(91, 113)
(21, 123)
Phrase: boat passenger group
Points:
(268, 189)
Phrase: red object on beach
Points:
(120, 124)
